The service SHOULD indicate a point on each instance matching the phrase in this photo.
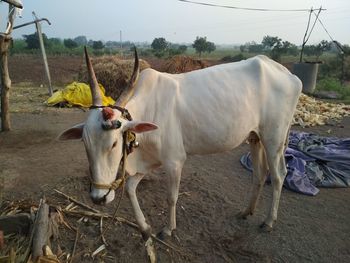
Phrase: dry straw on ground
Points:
(182, 64)
(112, 72)
(312, 112)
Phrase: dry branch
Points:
(41, 230)
(75, 245)
(76, 201)
(119, 219)
(98, 215)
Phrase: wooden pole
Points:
(42, 47)
(5, 41)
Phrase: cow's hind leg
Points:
(131, 186)
(259, 173)
(278, 172)
(173, 170)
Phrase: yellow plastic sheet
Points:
(79, 94)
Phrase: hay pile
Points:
(112, 72)
(182, 64)
(312, 112)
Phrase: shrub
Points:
(235, 58)
(333, 84)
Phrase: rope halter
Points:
(129, 143)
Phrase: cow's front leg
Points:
(174, 176)
(131, 186)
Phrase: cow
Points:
(201, 112)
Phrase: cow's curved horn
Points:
(129, 91)
(95, 90)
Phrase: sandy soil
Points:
(214, 189)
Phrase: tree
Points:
(55, 41)
(210, 47)
(81, 40)
(159, 44)
(70, 43)
(252, 47)
(182, 48)
(346, 49)
(175, 49)
(321, 47)
(289, 48)
(270, 43)
(276, 47)
(202, 45)
(243, 48)
(317, 50)
(32, 41)
(97, 45)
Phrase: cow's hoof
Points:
(265, 228)
(146, 234)
(164, 234)
(175, 236)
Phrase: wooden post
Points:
(5, 41)
(42, 47)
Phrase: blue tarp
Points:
(314, 161)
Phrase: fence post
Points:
(42, 47)
(5, 41)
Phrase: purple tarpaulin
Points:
(314, 161)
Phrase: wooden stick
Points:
(75, 245)
(101, 232)
(76, 201)
(12, 255)
(41, 231)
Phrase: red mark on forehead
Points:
(107, 113)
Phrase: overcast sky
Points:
(181, 22)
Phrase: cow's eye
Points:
(114, 144)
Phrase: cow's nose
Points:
(99, 200)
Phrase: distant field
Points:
(28, 68)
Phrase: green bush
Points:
(333, 84)
(235, 58)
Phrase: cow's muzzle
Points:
(101, 198)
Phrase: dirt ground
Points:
(214, 188)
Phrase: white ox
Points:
(201, 112)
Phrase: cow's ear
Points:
(74, 133)
(139, 126)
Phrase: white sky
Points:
(178, 22)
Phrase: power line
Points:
(325, 29)
(247, 8)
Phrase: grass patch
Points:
(27, 97)
(333, 84)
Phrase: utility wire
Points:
(339, 46)
(247, 8)
(325, 29)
